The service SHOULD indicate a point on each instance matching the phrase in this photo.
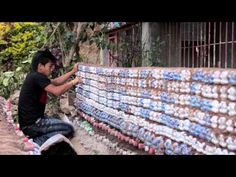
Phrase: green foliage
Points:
(66, 35)
(18, 43)
(153, 55)
(99, 37)
(10, 81)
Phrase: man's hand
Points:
(75, 68)
(58, 90)
(62, 79)
(77, 80)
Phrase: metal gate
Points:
(189, 44)
(201, 44)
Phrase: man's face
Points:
(47, 68)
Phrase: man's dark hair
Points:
(42, 57)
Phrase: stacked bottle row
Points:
(195, 107)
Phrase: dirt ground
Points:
(85, 144)
(10, 143)
(97, 143)
(101, 143)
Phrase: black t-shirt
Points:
(33, 98)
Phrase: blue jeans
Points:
(45, 128)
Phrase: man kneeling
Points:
(33, 98)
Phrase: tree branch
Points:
(77, 30)
(51, 34)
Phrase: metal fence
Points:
(192, 44)
(201, 44)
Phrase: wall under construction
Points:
(168, 110)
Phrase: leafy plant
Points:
(18, 42)
(153, 55)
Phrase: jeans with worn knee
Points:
(45, 128)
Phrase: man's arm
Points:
(58, 90)
(62, 79)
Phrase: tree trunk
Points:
(70, 55)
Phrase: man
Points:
(33, 99)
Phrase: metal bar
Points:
(197, 45)
(188, 44)
(217, 43)
(180, 44)
(202, 62)
(166, 48)
(220, 59)
(176, 42)
(209, 41)
(184, 43)
(226, 45)
(192, 45)
(117, 45)
(205, 42)
(214, 47)
(169, 50)
(132, 43)
(232, 47)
